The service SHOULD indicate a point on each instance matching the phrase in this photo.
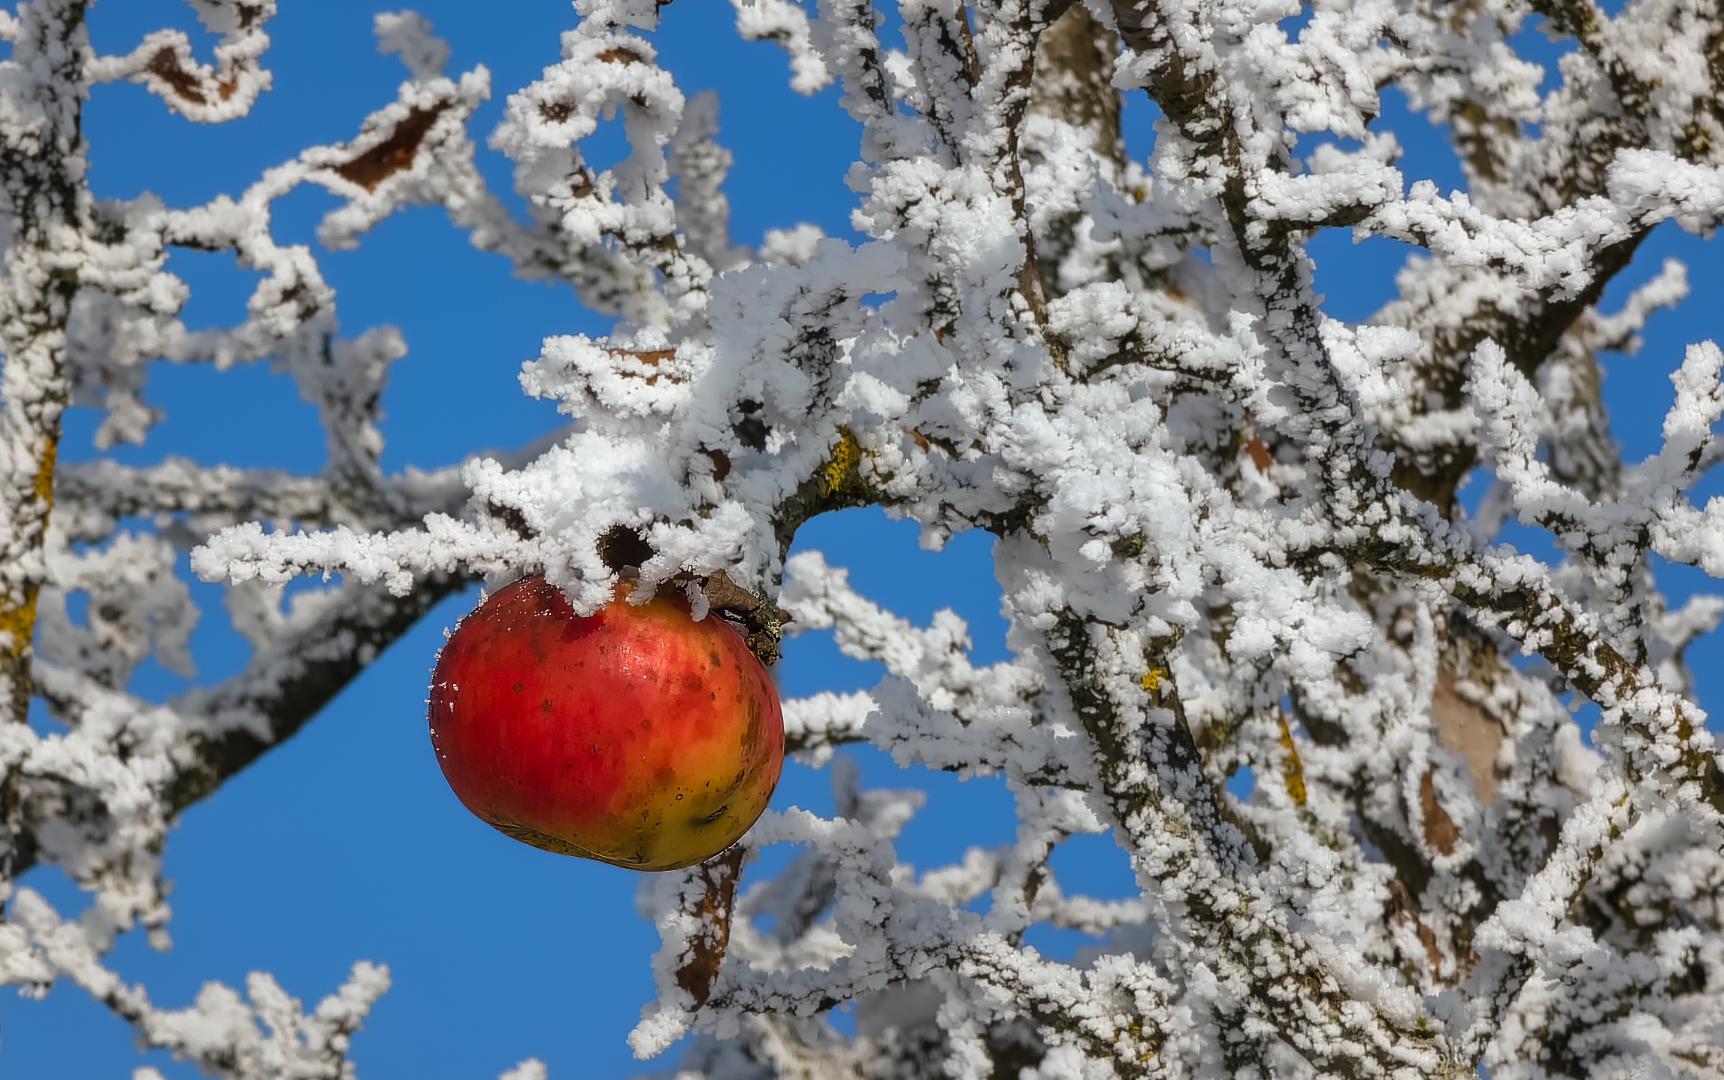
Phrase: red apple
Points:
(635, 736)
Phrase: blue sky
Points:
(345, 843)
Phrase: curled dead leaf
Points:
(650, 357)
(1401, 908)
(165, 65)
(1258, 452)
(1440, 831)
(394, 153)
(1465, 729)
(726, 595)
(712, 908)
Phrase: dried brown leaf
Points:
(1440, 831)
(650, 357)
(1259, 453)
(1464, 728)
(1402, 909)
(394, 153)
(718, 876)
(726, 595)
(165, 65)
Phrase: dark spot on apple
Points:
(646, 723)
(717, 660)
(679, 796)
(691, 683)
(517, 687)
(714, 816)
(545, 705)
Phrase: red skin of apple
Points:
(635, 736)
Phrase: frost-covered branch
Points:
(1226, 523)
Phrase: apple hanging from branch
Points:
(636, 736)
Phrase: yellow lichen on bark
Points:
(18, 621)
(1292, 769)
(841, 472)
(44, 485)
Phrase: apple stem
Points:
(760, 618)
